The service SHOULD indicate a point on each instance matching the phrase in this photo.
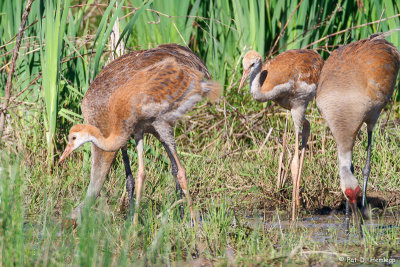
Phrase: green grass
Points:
(226, 190)
(232, 180)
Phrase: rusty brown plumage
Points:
(300, 65)
(356, 82)
(145, 91)
(290, 79)
(155, 92)
(121, 71)
(368, 64)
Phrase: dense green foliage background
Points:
(66, 42)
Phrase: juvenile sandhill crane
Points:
(356, 82)
(142, 92)
(290, 79)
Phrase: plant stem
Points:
(3, 109)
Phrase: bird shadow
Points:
(377, 204)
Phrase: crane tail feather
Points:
(212, 90)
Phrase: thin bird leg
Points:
(183, 183)
(141, 175)
(130, 183)
(165, 135)
(295, 170)
(304, 138)
(366, 171)
(174, 167)
(101, 163)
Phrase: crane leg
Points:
(295, 171)
(165, 135)
(181, 175)
(366, 171)
(101, 163)
(130, 183)
(304, 138)
(141, 175)
(174, 167)
(298, 116)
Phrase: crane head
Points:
(352, 194)
(251, 60)
(78, 135)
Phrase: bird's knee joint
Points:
(140, 176)
(174, 171)
(295, 163)
(366, 172)
(181, 174)
(130, 183)
(182, 179)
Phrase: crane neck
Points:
(112, 143)
(255, 81)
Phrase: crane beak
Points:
(68, 150)
(354, 210)
(351, 195)
(244, 78)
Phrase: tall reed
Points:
(68, 44)
(52, 28)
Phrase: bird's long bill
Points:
(354, 210)
(68, 150)
(244, 78)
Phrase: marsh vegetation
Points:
(231, 150)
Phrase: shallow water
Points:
(323, 228)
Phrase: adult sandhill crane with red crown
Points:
(142, 92)
(356, 82)
(290, 79)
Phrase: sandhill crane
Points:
(142, 92)
(356, 82)
(290, 79)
